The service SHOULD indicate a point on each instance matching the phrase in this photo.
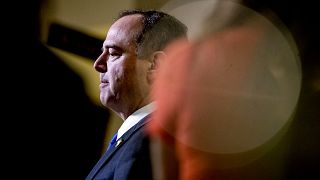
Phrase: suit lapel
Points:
(108, 154)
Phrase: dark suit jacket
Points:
(129, 160)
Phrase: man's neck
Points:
(124, 114)
(135, 117)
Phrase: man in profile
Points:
(130, 58)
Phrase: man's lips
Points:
(104, 84)
(104, 81)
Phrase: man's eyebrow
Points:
(111, 46)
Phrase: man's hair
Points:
(159, 29)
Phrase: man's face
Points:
(123, 77)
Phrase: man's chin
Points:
(108, 101)
(105, 100)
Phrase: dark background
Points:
(52, 130)
(302, 155)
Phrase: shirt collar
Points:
(134, 118)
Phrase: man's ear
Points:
(156, 60)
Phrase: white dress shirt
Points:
(134, 118)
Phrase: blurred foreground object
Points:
(227, 97)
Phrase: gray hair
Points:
(159, 29)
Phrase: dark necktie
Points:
(113, 140)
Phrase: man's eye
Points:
(114, 54)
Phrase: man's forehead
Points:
(124, 29)
(129, 22)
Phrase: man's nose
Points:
(101, 63)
